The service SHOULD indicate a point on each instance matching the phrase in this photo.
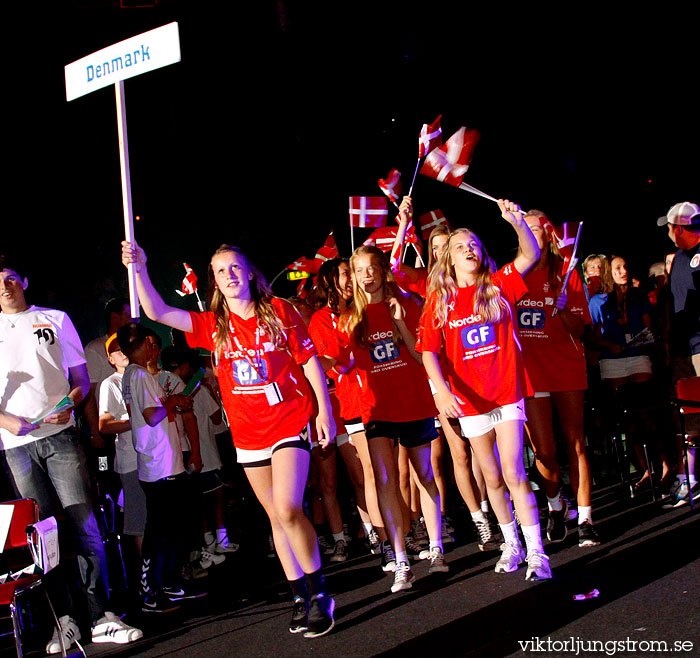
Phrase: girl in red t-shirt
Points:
(265, 364)
(556, 363)
(469, 315)
(396, 403)
(334, 290)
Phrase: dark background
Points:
(281, 110)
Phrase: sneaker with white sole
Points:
(388, 557)
(538, 566)
(112, 629)
(340, 551)
(489, 539)
(224, 545)
(320, 620)
(438, 564)
(375, 546)
(512, 556)
(69, 631)
(207, 558)
(403, 577)
(300, 615)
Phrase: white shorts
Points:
(354, 425)
(619, 368)
(263, 456)
(473, 426)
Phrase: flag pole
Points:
(572, 264)
(473, 190)
(200, 303)
(126, 191)
(415, 173)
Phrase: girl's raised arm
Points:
(152, 303)
(529, 252)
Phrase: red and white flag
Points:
(328, 250)
(391, 185)
(189, 283)
(431, 220)
(368, 211)
(564, 237)
(430, 137)
(449, 162)
(304, 264)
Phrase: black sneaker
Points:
(321, 608)
(300, 615)
(587, 536)
(375, 546)
(388, 557)
(414, 551)
(489, 535)
(177, 593)
(340, 551)
(556, 524)
(158, 603)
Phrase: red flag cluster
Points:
(383, 238)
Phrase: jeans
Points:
(54, 468)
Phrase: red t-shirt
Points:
(395, 387)
(348, 386)
(554, 359)
(243, 373)
(483, 363)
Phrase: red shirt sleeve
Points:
(301, 347)
(429, 336)
(510, 283)
(203, 330)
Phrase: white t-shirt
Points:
(37, 348)
(112, 402)
(171, 384)
(204, 407)
(158, 450)
(98, 365)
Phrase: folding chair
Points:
(687, 401)
(19, 557)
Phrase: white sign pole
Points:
(126, 191)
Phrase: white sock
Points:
(401, 557)
(510, 532)
(478, 517)
(438, 543)
(555, 504)
(533, 537)
(337, 536)
(485, 506)
(584, 514)
(367, 527)
(221, 534)
(208, 538)
(693, 481)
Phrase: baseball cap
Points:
(682, 214)
(112, 345)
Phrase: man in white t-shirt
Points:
(42, 377)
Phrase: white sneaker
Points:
(538, 566)
(512, 556)
(208, 557)
(438, 564)
(69, 631)
(224, 546)
(112, 629)
(403, 577)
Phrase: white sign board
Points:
(126, 59)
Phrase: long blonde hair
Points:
(442, 281)
(354, 320)
(262, 296)
(443, 229)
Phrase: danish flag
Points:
(430, 137)
(431, 220)
(328, 250)
(304, 264)
(189, 283)
(564, 237)
(449, 162)
(391, 185)
(368, 211)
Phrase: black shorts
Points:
(410, 434)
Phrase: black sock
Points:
(316, 582)
(299, 588)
